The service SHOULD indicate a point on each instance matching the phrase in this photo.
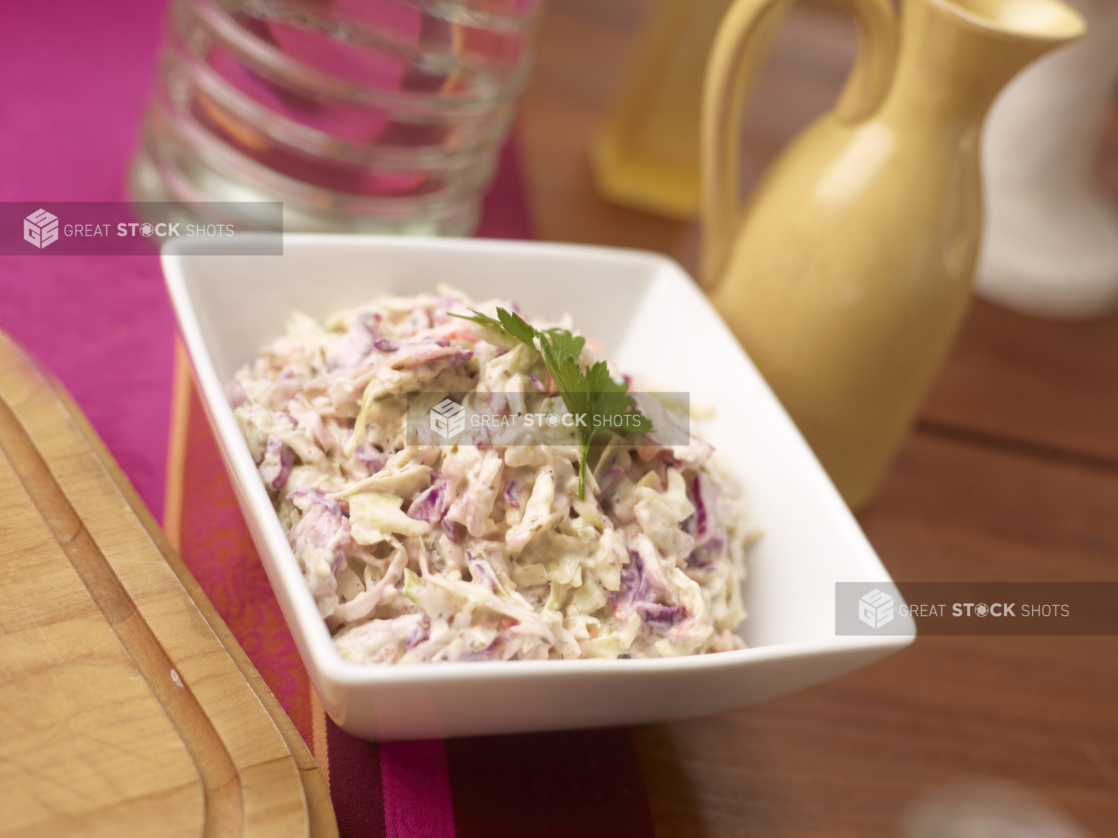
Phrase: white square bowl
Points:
(652, 320)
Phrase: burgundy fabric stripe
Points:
(576, 784)
(505, 214)
(417, 802)
(355, 784)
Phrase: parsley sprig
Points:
(590, 394)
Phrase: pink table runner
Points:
(74, 79)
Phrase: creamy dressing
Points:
(481, 551)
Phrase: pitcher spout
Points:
(956, 55)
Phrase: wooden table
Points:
(1011, 474)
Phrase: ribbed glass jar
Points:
(359, 115)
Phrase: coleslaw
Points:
(482, 549)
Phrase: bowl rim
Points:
(327, 662)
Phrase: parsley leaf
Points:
(597, 402)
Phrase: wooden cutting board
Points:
(127, 708)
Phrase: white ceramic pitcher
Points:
(1050, 245)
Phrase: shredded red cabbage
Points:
(430, 506)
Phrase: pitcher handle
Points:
(739, 48)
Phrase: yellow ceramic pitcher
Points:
(847, 274)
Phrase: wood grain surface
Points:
(1011, 474)
(129, 709)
